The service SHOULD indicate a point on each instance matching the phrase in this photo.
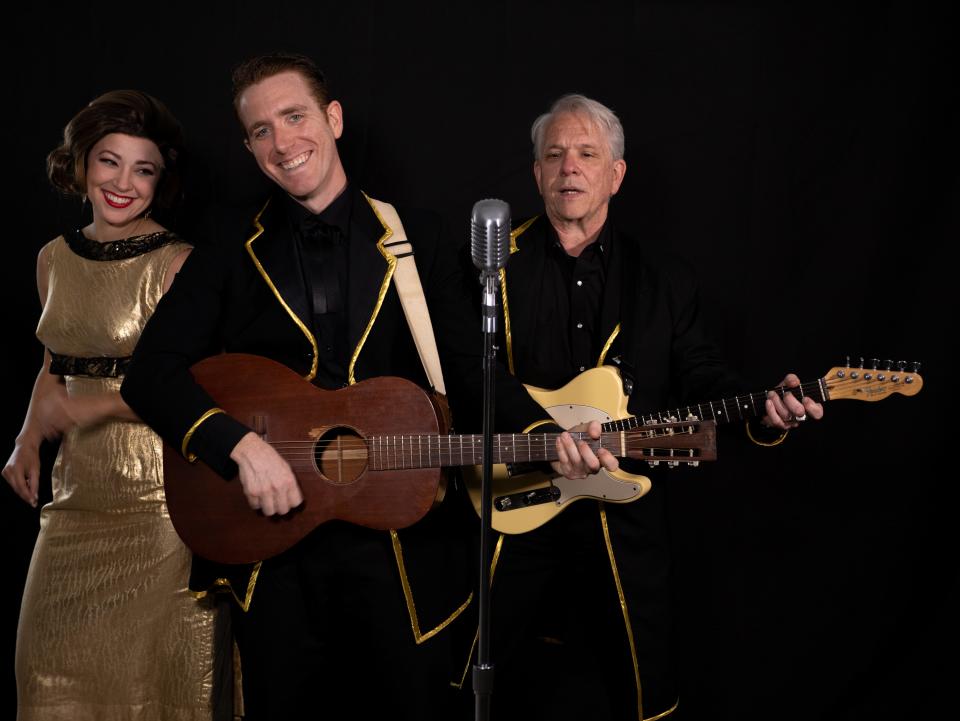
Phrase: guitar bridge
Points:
(514, 501)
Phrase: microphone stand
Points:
(483, 669)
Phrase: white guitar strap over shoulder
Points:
(411, 294)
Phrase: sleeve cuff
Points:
(765, 436)
(212, 440)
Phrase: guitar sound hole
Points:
(340, 455)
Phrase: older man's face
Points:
(576, 173)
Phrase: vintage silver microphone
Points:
(490, 235)
(490, 250)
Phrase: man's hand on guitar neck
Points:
(788, 412)
(577, 460)
(268, 482)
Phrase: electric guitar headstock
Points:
(873, 381)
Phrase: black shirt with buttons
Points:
(568, 337)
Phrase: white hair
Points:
(602, 116)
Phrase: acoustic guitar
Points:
(524, 501)
(372, 454)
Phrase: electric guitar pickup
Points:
(526, 501)
(371, 454)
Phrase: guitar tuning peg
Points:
(901, 365)
(861, 361)
(889, 365)
(847, 364)
(916, 366)
(876, 362)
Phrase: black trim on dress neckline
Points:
(118, 249)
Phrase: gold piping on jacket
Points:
(766, 444)
(663, 714)
(192, 457)
(514, 234)
(606, 346)
(256, 261)
(476, 636)
(538, 424)
(224, 584)
(408, 594)
(623, 606)
(384, 287)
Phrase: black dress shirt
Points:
(568, 339)
(322, 241)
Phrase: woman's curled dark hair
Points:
(130, 112)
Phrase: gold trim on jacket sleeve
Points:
(192, 457)
(537, 424)
(419, 637)
(260, 269)
(623, 606)
(766, 444)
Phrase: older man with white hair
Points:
(578, 293)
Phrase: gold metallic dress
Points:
(108, 629)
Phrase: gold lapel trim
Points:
(514, 234)
(623, 606)
(606, 346)
(384, 287)
(256, 261)
(418, 636)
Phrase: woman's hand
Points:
(22, 471)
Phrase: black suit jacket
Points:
(245, 293)
(650, 320)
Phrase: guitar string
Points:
(518, 441)
(543, 450)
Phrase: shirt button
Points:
(579, 325)
(579, 282)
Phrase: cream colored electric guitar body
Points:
(522, 502)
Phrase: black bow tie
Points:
(313, 228)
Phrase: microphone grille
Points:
(490, 234)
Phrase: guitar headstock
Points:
(873, 384)
(689, 441)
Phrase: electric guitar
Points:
(526, 501)
(371, 454)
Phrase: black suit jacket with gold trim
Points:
(246, 294)
(649, 318)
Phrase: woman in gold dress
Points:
(108, 629)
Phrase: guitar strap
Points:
(411, 294)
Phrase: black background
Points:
(803, 159)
